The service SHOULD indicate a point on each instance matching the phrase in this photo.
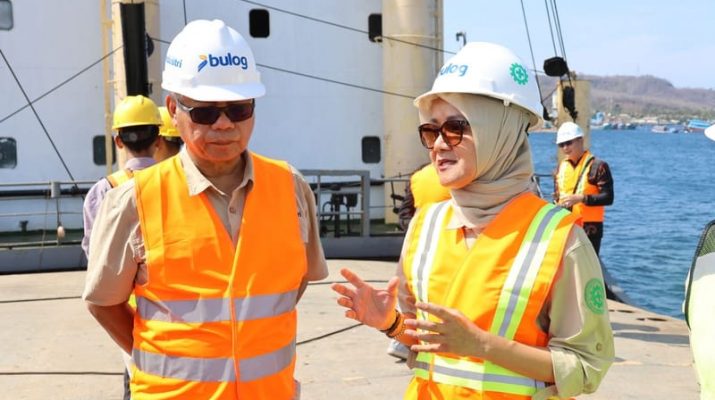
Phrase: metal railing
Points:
(342, 195)
(31, 212)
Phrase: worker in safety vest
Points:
(136, 122)
(422, 188)
(218, 243)
(501, 294)
(582, 182)
(169, 139)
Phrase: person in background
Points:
(169, 139)
(501, 294)
(582, 183)
(422, 189)
(136, 120)
(217, 244)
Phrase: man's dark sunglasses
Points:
(566, 143)
(451, 131)
(236, 112)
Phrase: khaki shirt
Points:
(117, 257)
(580, 340)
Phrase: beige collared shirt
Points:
(580, 340)
(117, 260)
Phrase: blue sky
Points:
(670, 39)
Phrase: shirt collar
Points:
(198, 183)
(137, 163)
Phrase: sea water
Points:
(664, 197)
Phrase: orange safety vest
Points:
(213, 320)
(501, 284)
(574, 180)
(119, 177)
(426, 188)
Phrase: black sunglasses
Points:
(566, 143)
(236, 112)
(451, 131)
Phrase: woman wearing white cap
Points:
(501, 295)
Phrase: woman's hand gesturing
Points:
(373, 307)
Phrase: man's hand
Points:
(571, 200)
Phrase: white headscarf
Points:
(504, 166)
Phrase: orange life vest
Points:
(426, 188)
(213, 320)
(501, 284)
(119, 177)
(574, 180)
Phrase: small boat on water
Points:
(663, 129)
(697, 125)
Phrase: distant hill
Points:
(641, 96)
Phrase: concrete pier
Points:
(52, 348)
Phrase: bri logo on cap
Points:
(224, 61)
(454, 69)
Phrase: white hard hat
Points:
(710, 132)
(491, 70)
(568, 131)
(210, 61)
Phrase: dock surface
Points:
(52, 348)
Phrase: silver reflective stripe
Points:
(185, 368)
(263, 306)
(206, 310)
(476, 376)
(524, 268)
(214, 369)
(216, 310)
(266, 364)
(427, 247)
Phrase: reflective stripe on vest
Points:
(119, 177)
(512, 303)
(515, 293)
(214, 369)
(472, 375)
(427, 247)
(217, 310)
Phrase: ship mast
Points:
(410, 64)
(131, 70)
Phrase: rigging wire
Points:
(255, 3)
(320, 78)
(531, 49)
(551, 28)
(66, 81)
(185, 20)
(558, 29)
(34, 111)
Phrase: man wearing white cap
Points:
(218, 244)
(582, 182)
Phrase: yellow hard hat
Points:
(167, 127)
(134, 111)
